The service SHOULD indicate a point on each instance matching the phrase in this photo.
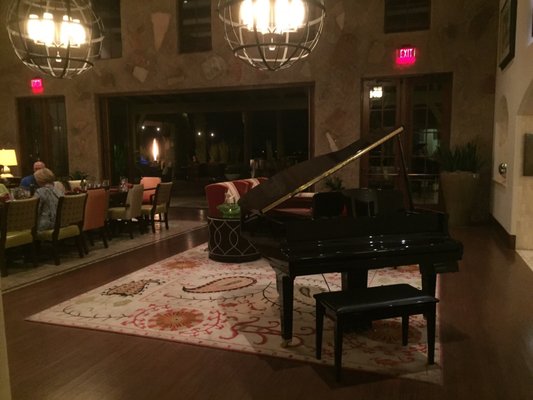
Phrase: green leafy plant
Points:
(461, 158)
(334, 183)
(78, 175)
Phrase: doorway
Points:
(422, 105)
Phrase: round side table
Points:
(226, 243)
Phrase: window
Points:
(194, 22)
(407, 15)
(43, 133)
(422, 105)
(109, 13)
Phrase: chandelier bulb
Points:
(272, 34)
(61, 38)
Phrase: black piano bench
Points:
(370, 304)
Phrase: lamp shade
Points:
(60, 38)
(272, 34)
(8, 157)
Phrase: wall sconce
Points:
(272, 34)
(60, 38)
(7, 158)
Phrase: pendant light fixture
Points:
(60, 38)
(272, 34)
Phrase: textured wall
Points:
(512, 204)
(462, 40)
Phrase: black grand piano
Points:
(388, 234)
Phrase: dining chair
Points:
(69, 224)
(130, 211)
(160, 205)
(18, 224)
(3, 189)
(150, 184)
(95, 216)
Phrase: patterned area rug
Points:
(22, 273)
(190, 299)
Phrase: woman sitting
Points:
(49, 198)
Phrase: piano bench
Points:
(370, 304)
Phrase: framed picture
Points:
(507, 32)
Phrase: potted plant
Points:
(459, 180)
(334, 183)
(77, 180)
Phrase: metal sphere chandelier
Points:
(60, 38)
(272, 34)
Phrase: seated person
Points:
(49, 198)
(29, 180)
(4, 192)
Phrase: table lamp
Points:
(8, 157)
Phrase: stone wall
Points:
(462, 40)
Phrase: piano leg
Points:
(429, 278)
(353, 280)
(285, 286)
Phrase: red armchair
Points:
(216, 194)
(150, 184)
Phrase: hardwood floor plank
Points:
(486, 332)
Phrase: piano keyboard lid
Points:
(299, 177)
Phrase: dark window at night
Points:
(407, 15)
(109, 13)
(194, 22)
(43, 134)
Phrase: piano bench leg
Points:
(374, 303)
(405, 330)
(337, 344)
(319, 329)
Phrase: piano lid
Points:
(299, 177)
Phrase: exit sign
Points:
(36, 85)
(406, 55)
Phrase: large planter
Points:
(459, 190)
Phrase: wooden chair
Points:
(150, 184)
(69, 224)
(18, 224)
(380, 302)
(95, 216)
(130, 211)
(160, 205)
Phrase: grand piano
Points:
(387, 235)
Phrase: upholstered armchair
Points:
(96, 215)
(160, 205)
(130, 211)
(69, 224)
(216, 194)
(18, 222)
(150, 184)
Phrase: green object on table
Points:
(229, 210)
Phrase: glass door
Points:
(422, 106)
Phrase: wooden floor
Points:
(486, 330)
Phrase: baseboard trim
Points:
(508, 239)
